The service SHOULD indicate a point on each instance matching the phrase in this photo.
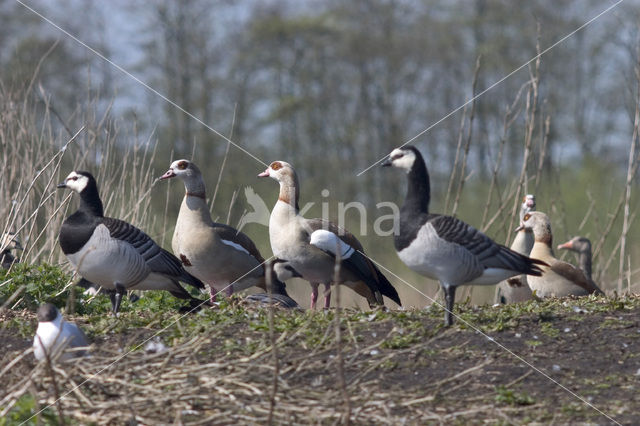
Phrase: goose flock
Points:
(117, 257)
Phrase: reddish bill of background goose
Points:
(217, 254)
(310, 245)
(516, 289)
(443, 247)
(581, 246)
(114, 254)
(559, 278)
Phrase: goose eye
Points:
(182, 165)
(527, 216)
(73, 178)
(276, 165)
(397, 156)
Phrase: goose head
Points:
(540, 224)
(78, 181)
(284, 271)
(184, 169)
(48, 312)
(282, 172)
(402, 158)
(528, 205)
(577, 244)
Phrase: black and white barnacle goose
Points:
(115, 254)
(443, 247)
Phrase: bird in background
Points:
(582, 247)
(559, 279)
(9, 242)
(516, 289)
(56, 337)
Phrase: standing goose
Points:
(582, 246)
(559, 278)
(443, 247)
(516, 289)
(309, 245)
(9, 242)
(115, 254)
(54, 336)
(216, 253)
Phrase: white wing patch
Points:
(329, 242)
(235, 246)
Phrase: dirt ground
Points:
(563, 363)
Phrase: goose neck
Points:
(419, 188)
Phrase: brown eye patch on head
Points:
(183, 165)
(276, 165)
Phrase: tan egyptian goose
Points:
(516, 289)
(310, 246)
(443, 247)
(560, 278)
(217, 254)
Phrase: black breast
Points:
(76, 230)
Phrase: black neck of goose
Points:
(584, 259)
(90, 201)
(419, 190)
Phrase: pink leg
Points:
(327, 295)
(212, 294)
(314, 295)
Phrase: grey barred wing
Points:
(158, 259)
(489, 253)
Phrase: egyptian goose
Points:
(281, 271)
(582, 246)
(218, 254)
(115, 254)
(516, 289)
(9, 242)
(310, 246)
(559, 278)
(443, 247)
(57, 337)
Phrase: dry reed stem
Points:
(467, 144)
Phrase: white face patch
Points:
(402, 158)
(76, 182)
